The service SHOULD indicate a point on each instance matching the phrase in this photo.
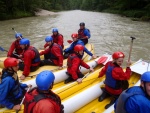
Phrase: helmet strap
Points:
(51, 86)
(51, 44)
(146, 90)
(10, 69)
(26, 47)
(77, 53)
(43, 91)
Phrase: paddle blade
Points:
(102, 59)
(69, 41)
(2, 49)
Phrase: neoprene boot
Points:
(103, 96)
(111, 103)
(69, 79)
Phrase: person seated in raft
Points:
(30, 57)
(73, 62)
(54, 54)
(57, 38)
(76, 41)
(42, 99)
(84, 33)
(15, 46)
(11, 91)
(116, 78)
(135, 99)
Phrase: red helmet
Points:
(78, 48)
(74, 35)
(117, 55)
(10, 62)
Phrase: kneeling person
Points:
(31, 58)
(53, 55)
(116, 78)
(73, 63)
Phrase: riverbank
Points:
(43, 12)
(21, 14)
(135, 15)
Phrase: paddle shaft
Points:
(24, 96)
(132, 38)
(23, 100)
(86, 75)
(2, 49)
(16, 32)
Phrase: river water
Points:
(109, 32)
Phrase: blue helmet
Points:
(48, 39)
(18, 35)
(24, 41)
(44, 80)
(145, 77)
(54, 30)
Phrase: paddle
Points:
(2, 49)
(132, 38)
(102, 60)
(23, 99)
(16, 32)
(69, 41)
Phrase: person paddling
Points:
(74, 61)
(42, 99)
(76, 41)
(15, 46)
(11, 91)
(31, 58)
(116, 78)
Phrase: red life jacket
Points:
(52, 56)
(70, 58)
(31, 100)
(81, 33)
(18, 49)
(37, 58)
(55, 39)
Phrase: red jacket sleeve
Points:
(28, 56)
(74, 68)
(84, 64)
(60, 40)
(44, 52)
(57, 52)
(119, 74)
(11, 49)
(104, 69)
(46, 44)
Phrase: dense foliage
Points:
(22, 8)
